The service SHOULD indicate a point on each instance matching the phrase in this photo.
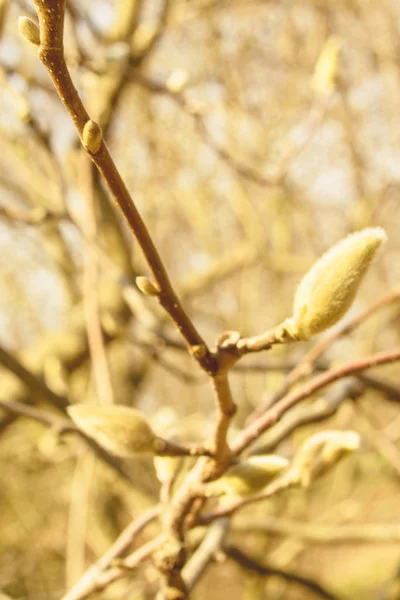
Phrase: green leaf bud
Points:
(327, 291)
(29, 30)
(249, 475)
(321, 452)
(121, 430)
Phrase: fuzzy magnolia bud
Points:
(249, 475)
(29, 30)
(121, 430)
(321, 452)
(146, 286)
(92, 136)
(327, 291)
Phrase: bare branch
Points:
(32, 382)
(251, 564)
(90, 581)
(204, 554)
(254, 430)
(51, 53)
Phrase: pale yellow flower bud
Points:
(177, 81)
(143, 36)
(29, 30)
(321, 452)
(249, 475)
(166, 467)
(326, 69)
(146, 286)
(327, 291)
(92, 136)
(121, 430)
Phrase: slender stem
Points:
(263, 341)
(99, 360)
(19, 408)
(204, 554)
(306, 414)
(61, 426)
(226, 408)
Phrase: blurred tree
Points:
(252, 136)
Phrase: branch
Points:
(226, 409)
(99, 360)
(304, 415)
(32, 382)
(200, 560)
(61, 426)
(257, 427)
(51, 53)
(251, 564)
(90, 580)
(58, 424)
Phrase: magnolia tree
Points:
(204, 483)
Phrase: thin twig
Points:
(94, 578)
(204, 554)
(35, 385)
(61, 426)
(304, 415)
(226, 409)
(57, 423)
(51, 53)
(250, 564)
(254, 430)
(99, 360)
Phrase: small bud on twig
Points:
(198, 351)
(121, 430)
(92, 136)
(146, 286)
(321, 452)
(29, 30)
(327, 291)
